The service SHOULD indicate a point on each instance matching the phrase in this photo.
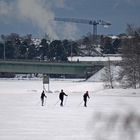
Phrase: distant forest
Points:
(14, 46)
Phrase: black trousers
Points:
(61, 104)
(85, 102)
(42, 101)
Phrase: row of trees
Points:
(14, 46)
(17, 47)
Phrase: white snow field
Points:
(23, 118)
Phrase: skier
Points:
(42, 97)
(85, 96)
(61, 97)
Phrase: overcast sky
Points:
(36, 16)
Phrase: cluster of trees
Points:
(14, 46)
(129, 70)
(131, 58)
(17, 47)
(104, 44)
(109, 45)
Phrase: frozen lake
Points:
(23, 118)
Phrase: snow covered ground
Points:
(92, 59)
(23, 118)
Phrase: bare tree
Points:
(108, 76)
(131, 61)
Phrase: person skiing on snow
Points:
(42, 97)
(85, 96)
(61, 97)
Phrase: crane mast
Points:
(94, 23)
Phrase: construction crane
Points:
(94, 23)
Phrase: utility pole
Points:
(94, 35)
(4, 51)
(71, 50)
(2, 40)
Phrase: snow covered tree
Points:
(131, 58)
(108, 75)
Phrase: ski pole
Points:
(65, 100)
(45, 101)
(80, 103)
(56, 103)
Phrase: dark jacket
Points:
(61, 95)
(85, 96)
(43, 95)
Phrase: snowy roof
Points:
(114, 37)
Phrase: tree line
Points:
(14, 46)
(17, 47)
